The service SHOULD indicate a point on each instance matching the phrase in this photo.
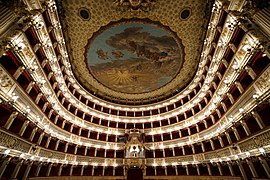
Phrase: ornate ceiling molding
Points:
(191, 31)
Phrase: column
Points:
(219, 169)
(198, 170)
(11, 119)
(173, 152)
(56, 145)
(24, 126)
(220, 141)
(258, 118)
(48, 142)
(50, 75)
(209, 170)
(85, 151)
(71, 170)
(228, 137)
(213, 119)
(197, 128)
(265, 166)
(38, 98)
(203, 148)
(93, 169)
(183, 150)
(239, 87)
(82, 169)
(36, 47)
(66, 147)
(212, 144)
(4, 166)
(224, 62)
(76, 149)
(261, 18)
(230, 98)
(95, 153)
(29, 87)
(242, 170)
(50, 114)
(205, 124)
(250, 72)
(176, 170)
(38, 169)
(233, 47)
(56, 119)
(230, 168)
(218, 113)
(18, 72)
(103, 170)
(187, 170)
(40, 138)
(193, 150)
(25, 175)
(243, 123)
(60, 170)
(33, 134)
(224, 106)
(236, 133)
(63, 124)
(16, 170)
(71, 128)
(80, 131)
(49, 170)
(45, 106)
(252, 169)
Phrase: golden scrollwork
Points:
(134, 5)
(263, 82)
(256, 142)
(7, 140)
(198, 157)
(70, 157)
(5, 81)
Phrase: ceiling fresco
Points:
(126, 73)
(134, 56)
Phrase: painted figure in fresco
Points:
(117, 54)
(102, 54)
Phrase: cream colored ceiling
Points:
(167, 12)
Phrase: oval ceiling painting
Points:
(134, 56)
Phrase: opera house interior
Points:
(134, 89)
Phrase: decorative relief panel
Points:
(185, 159)
(70, 157)
(219, 153)
(45, 153)
(5, 81)
(256, 142)
(7, 140)
(22, 146)
(198, 157)
(262, 84)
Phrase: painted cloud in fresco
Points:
(144, 44)
(134, 57)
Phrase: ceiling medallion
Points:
(134, 56)
(134, 5)
(185, 13)
(84, 14)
